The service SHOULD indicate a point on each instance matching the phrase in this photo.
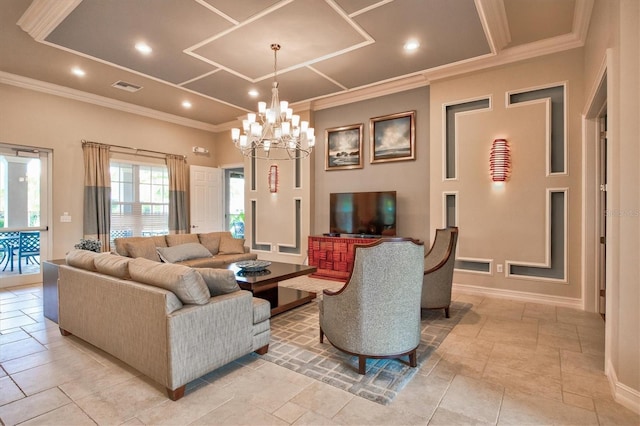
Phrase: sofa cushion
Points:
(82, 259)
(182, 252)
(230, 245)
(232, 258)
(144, 248)
(218, 261)
(159, 240)
(113, 265)
(219, 281)
(211, 241)
(184, 282)
(120, 243)
(261, 310)
(178, 239)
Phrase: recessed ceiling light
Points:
(186, 104)
(78, 71)
(143, 48)
(253, 93)
(411, 45)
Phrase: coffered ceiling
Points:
(211, 53)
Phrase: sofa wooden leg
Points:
(263, 350)
(413, 359)
(64, 332)
(446, 312)
(176, 394)
(321, 336)
(362, 364)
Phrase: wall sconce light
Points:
(273, 178)
(500, 160)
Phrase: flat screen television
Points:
(370, 214)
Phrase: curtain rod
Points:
(135, 149)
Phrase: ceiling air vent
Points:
(129, 87)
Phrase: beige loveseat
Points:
(171, 322)
(206, 250)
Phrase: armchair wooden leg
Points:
(362, 364)
(321, 336)
(446, 312)
(263, 350)
(413, 359)
(176, 394)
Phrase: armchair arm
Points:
(430, 266)
(328, 292)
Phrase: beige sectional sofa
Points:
(171, 322)
(205, 250)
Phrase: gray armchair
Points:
(438, 270)
(377, 312)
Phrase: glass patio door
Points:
(234, 189)
(24, 190)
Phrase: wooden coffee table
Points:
(265, 285)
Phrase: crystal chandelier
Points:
(274, 133)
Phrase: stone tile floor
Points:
(506, 363)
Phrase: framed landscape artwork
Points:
(343, 148)
(393, 137)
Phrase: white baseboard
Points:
(522, 296)
(622, 394)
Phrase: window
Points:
(139, 199)
(235, 201)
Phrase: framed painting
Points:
(343, 148)
(393, 137)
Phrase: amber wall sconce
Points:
(273, 178)
(500, 161)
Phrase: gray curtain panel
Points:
(178, 211)
(97, 193)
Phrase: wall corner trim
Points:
(622, 394)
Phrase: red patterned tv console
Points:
(333, 256)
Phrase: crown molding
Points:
(582, 18)
(361, 94)
(43, 16)
(78, 95)
(493, 16)
(507, 56)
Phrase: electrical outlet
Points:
(499, 268)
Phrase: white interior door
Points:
(207, 199)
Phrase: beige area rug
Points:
(295, 345)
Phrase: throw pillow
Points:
(230, 245)
(82, 259)
(142, 248)
(219, 281)
(177, 239)
(186, 283)
(182, 252)
(113, 265)
(211, 241)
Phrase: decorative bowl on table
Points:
(253, 265)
